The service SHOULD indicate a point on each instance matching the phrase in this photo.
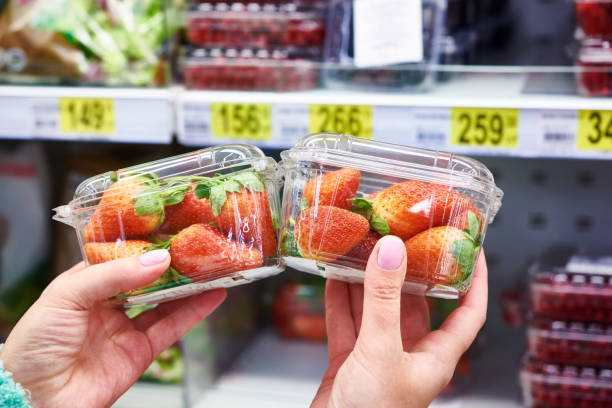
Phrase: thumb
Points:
(384, 276)
(105, 280)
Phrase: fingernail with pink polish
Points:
(391, 253)
(154, 257)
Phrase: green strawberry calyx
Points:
(304, 204)
(364, 207)
(467, 249)
(216, 189)
(289, 245)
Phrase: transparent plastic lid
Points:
(221, 159)
(397, 161)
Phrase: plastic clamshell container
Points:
(255, 26)
(595, 17)
(578, 343)
(555, 386)
(341, 193)
(249, 70)
(559, 294)
(408, 77)
(595, 59)
(215, 210)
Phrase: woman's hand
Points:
(72, 350)
(381, 350)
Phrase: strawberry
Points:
(325, 233)
(241, 210)
(413, 206)
(190, 210)
(201, 252)
(359, 255)
(334, 188)
(308, 327)
(443, 255)
(99, 252)
(130, 208)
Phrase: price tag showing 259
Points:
(484, 127)
(354, 120)
(87, 115)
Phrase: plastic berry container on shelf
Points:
(249, 70)
(339, 51)
(557, 293)
(298, 310)
(215, 210)
(595, 17)
(554, 386)
(595, 59)
(562, 342)
(343, 193)
(254, 25)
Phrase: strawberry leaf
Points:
(113, 176)
(212, 224)
(218, 197)
(378, 224)
(289, 246)
(362, 207)
(474, 225)
(148, 202)
(232, 186)
(464, 251)
(304, 204)
(202, 191)
(174, 193)
(160, 245)
(250, 181)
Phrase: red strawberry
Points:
(442, 255)
(325, 233)
(99, 252)
(201, 252)
(334, 188)
(246, 217)
(309, 327)
(359, 255)
(128, 209)
(413, 206)
(190, 210)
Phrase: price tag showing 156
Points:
(241, 121)
(484, 127)
(354, 120)
(595, 130)
(87, 115)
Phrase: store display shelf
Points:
(126, 115)
(486, 113)
(278, 373)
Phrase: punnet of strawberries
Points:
(338, 222)
(212, 226)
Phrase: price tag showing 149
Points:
(484, 127)
(87, 115)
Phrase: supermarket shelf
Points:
(151, 395)
(545, 125)
(87, 114)
(537, 121)
(275, 373)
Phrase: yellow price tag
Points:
(241, 121)
(594, 130)
(354, 120)
(87, 115)
(484, 127)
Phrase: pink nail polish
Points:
(391, 253)
(154, 257)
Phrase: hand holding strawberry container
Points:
(342, 194)
(213, 209)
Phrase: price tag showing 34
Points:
(595, 130)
